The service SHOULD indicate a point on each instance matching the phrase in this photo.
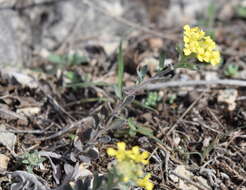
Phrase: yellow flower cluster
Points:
(202, 46)
(129, 164)
(145, 182)
(123, 154)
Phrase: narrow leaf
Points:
(162, 61)
(141, 73)
(120, 72)
(55, 59)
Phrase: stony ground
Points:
(59, 110)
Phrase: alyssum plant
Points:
(127, 170)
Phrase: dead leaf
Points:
(29, 111)
(7, 139)
(74, 173)
(56, 168)
(156, 43)
(86, 132)
(83, 171)
(229, 97)
(10, 115)
(110, 47)
(21, 78)
(206, 141)
(176, 140)
(4, 160)
(26, 180)
(182, 184)
(152, 64)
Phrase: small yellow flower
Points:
(125, 179)
(130, 163)
(138, 157)
(120, 154)
(144, 182)
(123, 154)
(203, 47)
(215, 57)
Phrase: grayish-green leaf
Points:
(120, 72)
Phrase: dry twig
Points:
(15, 5)
(63, 131)
(25, 131)
(150, 86)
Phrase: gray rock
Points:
(53, 24)
(10, 54)
(7, 3)
(36, 24)
(74, 21)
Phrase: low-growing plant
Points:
(127, 170)
(231, 70)
(171, 98)
(69, 59)
(32, 160)
(152, 99)
(129, 165)
(241, 11)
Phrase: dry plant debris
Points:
(179, 129)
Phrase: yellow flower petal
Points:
(125, 179)
(186, 39)
(121, 146)
(144, 182)
(111, 152)
(135, 150)
(186, 27)
(145, 155)
(145, 162)
(187, 52)
(200, 57)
